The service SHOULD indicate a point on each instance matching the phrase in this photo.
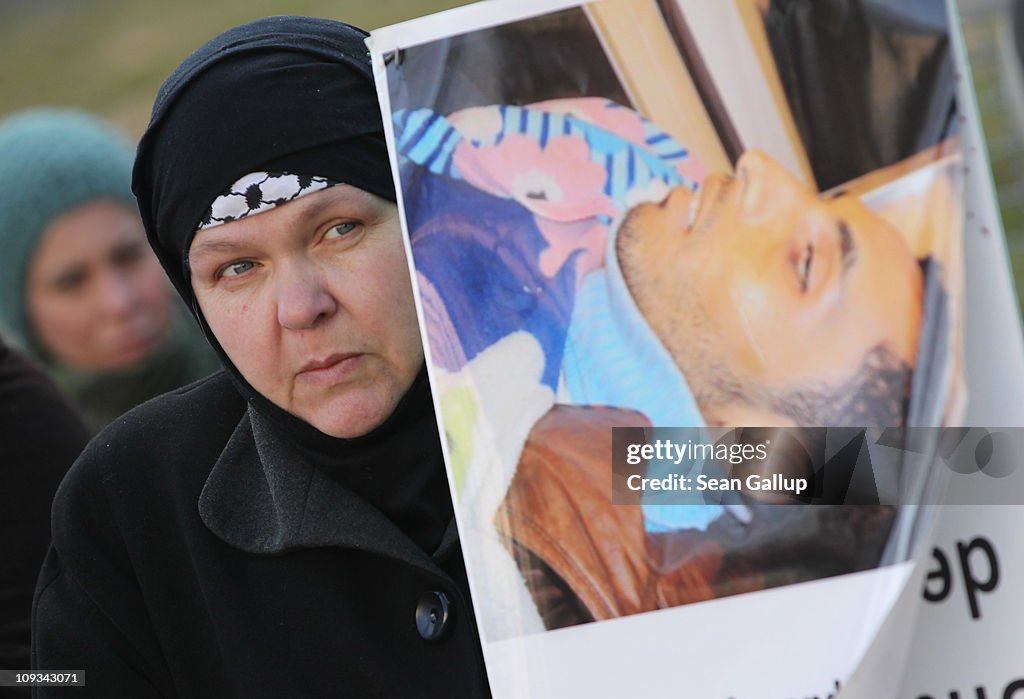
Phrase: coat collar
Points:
(264, 497)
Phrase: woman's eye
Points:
(128, 255)
(236, 268)
(70, 281)
(341, 230)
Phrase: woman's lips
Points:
(333, 369)
(136, 346)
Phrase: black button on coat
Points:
(139, 592)
(433, 615)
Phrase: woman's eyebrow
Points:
(202, 247)
(352, 201)
(312, 207)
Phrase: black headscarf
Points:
(288, 94)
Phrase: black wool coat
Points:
(195, 556)
(40, 436)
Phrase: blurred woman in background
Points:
(79, 287)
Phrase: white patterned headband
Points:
(258, 192)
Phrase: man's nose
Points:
(766, 186)
(303, 299)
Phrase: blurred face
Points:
(313, 304)
(96, 296)
(758, 279)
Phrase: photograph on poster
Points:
(659, 213)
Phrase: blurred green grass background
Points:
(110, 56)
(996, 68)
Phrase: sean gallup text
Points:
(774, 483)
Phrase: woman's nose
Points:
(303, 299)
(118, 295)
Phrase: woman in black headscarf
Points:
(285, 527)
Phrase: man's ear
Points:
(739, 414)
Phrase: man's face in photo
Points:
(756, 281)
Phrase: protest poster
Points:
(650, 215)
(966, 642)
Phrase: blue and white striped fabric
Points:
(430, 140)
(427, 139)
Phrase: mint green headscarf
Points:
(51, 162)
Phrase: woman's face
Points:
(96, 297)
(313, 304)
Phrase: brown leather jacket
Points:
(585, 558)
